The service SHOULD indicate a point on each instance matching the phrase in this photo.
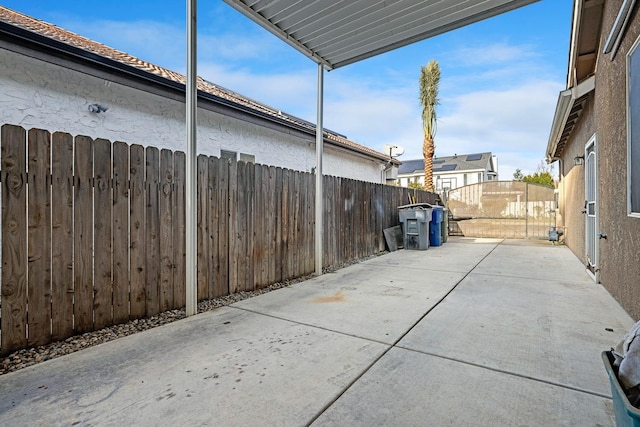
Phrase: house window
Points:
(449, 183)
(230, 155)
(633, 130)
(247, 158)
(465, 179)
(479, 176)
(233, 156)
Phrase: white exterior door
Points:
(591, 206)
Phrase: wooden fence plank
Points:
(256, 235)
(285, 225)
(202, 223)
(248, 235)
(304, 232)
(14, 239)
(103, 201)
(297, 235)
(166, 230)
(213, 211)
(329, 225)
(83, 235)
(152, 232)
(137, 230)
(179, 242)
(233, 227)
(62, 236)
(291, 250)
(39, 238)
(120, 232)
(311, 212)
(222, 266)
(279, 204)
(270, 214)
(241, 228)
(261, 215)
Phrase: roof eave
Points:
(566, 101)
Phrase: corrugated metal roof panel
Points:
(340, 32)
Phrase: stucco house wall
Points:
(620, 251)
(35, 93)
(572, 195)
(605, 115)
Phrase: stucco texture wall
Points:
(572, 196)
(34, 93)
(620, 251)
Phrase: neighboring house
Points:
(49, 78)
(452, 171)
(595, 137)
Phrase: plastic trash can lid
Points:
(416, 205)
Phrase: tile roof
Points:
(59, 34)
(457, 163)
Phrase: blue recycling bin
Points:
(435, 227)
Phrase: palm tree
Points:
(429, 81)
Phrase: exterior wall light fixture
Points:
(578, 160)
(97, 108)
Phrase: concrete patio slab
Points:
(228, 367)
(457, 255)
(549, 330)
(366, 301)
(407, 388)
(475, 332)
(539, 260)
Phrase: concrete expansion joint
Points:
(514, 374)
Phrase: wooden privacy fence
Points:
(93, 231)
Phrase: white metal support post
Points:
(319, 195)
(191, 156)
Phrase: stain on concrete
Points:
(337, 297)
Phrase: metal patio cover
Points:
(336, 33)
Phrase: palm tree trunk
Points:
(427, 152)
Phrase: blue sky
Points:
(498, 91)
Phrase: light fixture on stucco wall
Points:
(97, 108)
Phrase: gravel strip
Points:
(27, 357)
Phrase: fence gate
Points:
(502, 209)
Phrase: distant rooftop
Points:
(458, 162)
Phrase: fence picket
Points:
(279, 204)
(102, 286)
(179, 243)
(137, 230)
(39, 239)
(62, 236)
(152, 232)
(120, 232)
(83, 235)
(202, 227)
(166, 230)
(14, 239)
(212, 227)
(222, 266)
